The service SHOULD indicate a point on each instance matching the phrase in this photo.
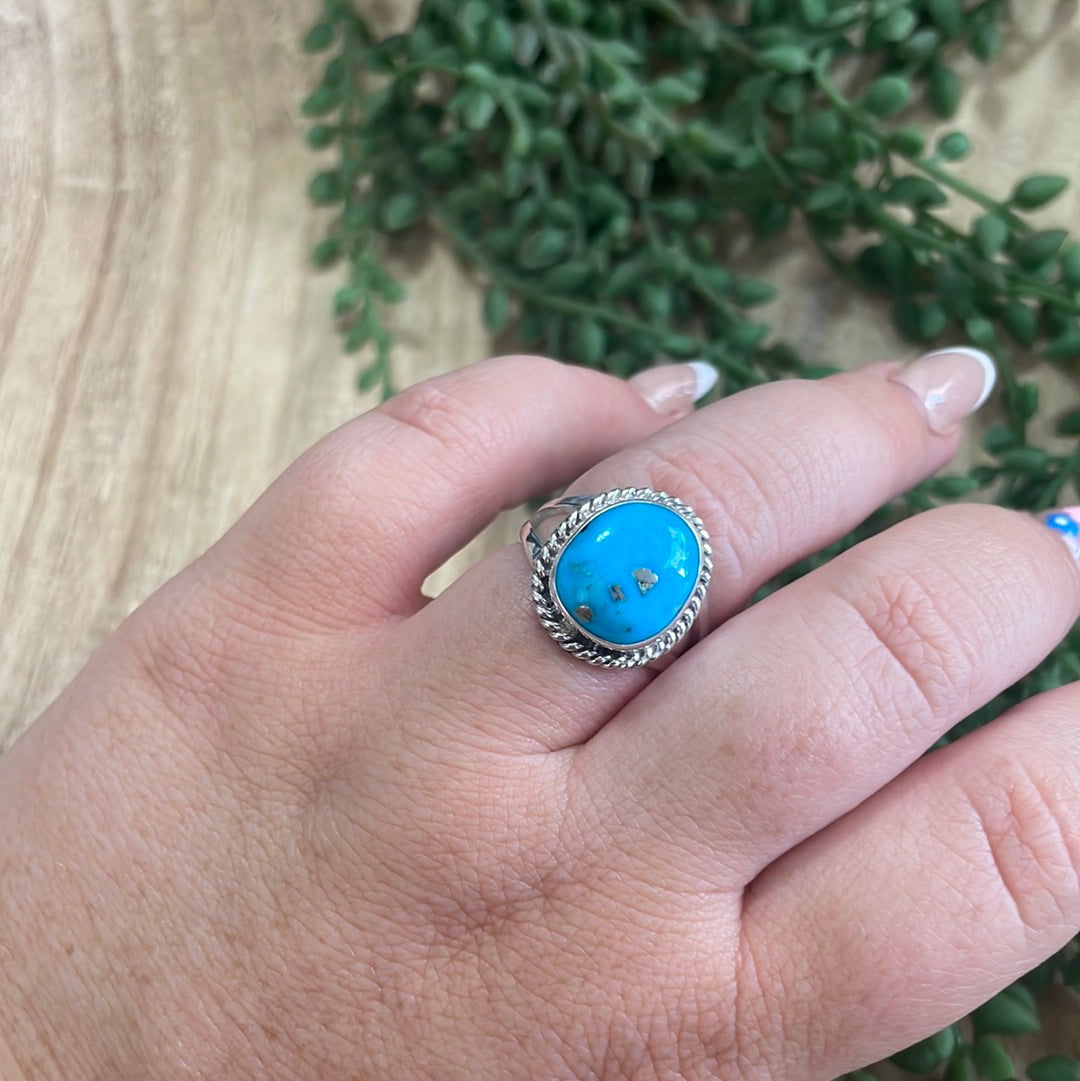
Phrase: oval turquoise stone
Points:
(628, 573)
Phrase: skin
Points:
(295, 820)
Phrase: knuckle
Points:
(190, 661)
(445, 418)
(1029, 849)
(911, 627)
(451, 410)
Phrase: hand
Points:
(296, 821)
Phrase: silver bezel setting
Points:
(570, 635)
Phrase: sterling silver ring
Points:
(618, 578)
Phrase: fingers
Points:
(918, 906)
(806, 704)
(776, 473)
(358, 522)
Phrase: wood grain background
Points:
(166, 348)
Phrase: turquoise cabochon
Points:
(628, 573)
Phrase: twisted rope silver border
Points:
(569, 635)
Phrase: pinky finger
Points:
(945, 887)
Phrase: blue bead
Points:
(1063, 523)
(627, 574)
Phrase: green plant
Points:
(593, 162)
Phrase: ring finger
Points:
(776, 473)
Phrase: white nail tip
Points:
(705, 376)
(984, 360)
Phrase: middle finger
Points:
(806, 704)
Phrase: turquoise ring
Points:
(621, 578)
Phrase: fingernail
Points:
(950, 384)
(672, 389)
(1066, 523)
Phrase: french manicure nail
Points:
(672, 389)
(1066, 523)
(951, 384)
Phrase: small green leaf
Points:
(813, 12)
(550, 144)
(399, 211)
(915, 191)
(746, 337)
(321, 136)
(543, 248)
(1054, 1068)
(1010, 1017)
(992, 1060)
(655, 300)
(955, 488)
(985, 41)
(1023, 400)
(908, 141)
(325, 189)
(346, 300)
(439, 161)
(496, 308)
(1064, 347)
(933, 320)
(482, 76)
(1070, 265)
(826, 197)
(991, 234)
(944, 91)
(359, 335)
(998, 438)
(897, 25)
(925, 1056)
(1035, 249)
(639, 177)
(1022, 323)
(980, 331)
(568, 276)
(956, 290)
(527, 44)
(369, 377)
(1038, 190)
(790, 59)
(499, 42)
(321, 100)
(907, 317)
(319, 38)
(673, 90)
(887, 96)
(955, 146)
(921, 46)
(789, 97)
(681, 346)
(588, 341)
(326, 252)
(750, 292)
(477, 109)
(948, 15)
(960, 1067)
(679, 211)
(1069, 424)
(809, 159)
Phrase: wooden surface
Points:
(165, 348)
